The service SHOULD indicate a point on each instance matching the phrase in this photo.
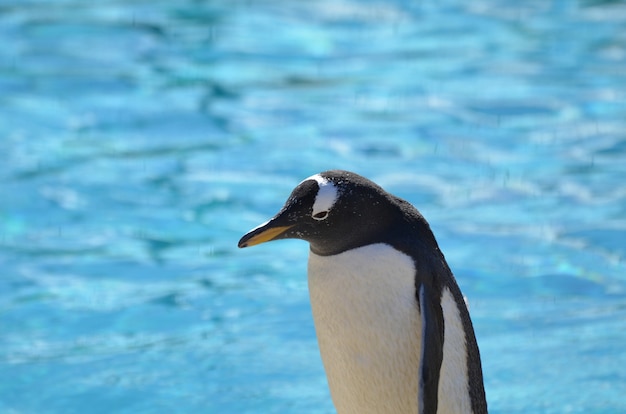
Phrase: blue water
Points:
(141, 139)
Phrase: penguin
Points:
(393, 328)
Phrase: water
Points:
(142, 139)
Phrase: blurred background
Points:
(140, 139)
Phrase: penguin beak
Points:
(263, 233)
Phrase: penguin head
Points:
(334, 211)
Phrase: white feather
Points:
(369, 332)
(326, 196)
(368, 328)
(453, 386)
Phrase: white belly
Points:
(368, 327)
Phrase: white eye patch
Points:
(325, 198)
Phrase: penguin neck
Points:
(368, 327)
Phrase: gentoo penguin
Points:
(393, 329)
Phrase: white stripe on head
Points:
(326, 196)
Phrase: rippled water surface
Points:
(141, 139)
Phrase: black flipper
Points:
(432, 348)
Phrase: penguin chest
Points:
(368, 328)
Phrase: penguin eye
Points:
(321, 215)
